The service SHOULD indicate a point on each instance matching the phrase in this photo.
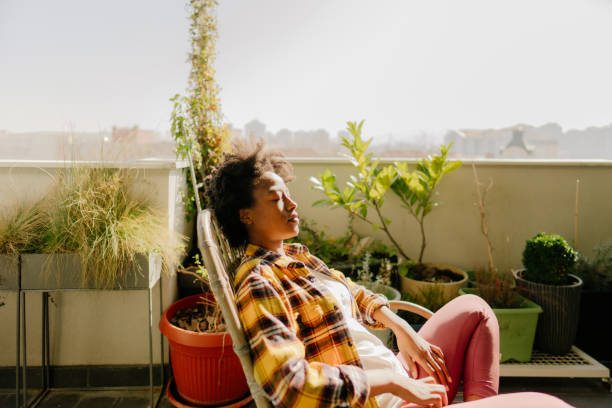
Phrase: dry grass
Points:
(93, 213)
(20, 228)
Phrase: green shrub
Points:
(549, 259)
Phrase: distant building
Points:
(133, 135)
(475, 143)
(517, 148)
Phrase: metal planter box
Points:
(9, 272)
(63, 271)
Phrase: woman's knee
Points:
(472, 305)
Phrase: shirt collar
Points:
(297, 258)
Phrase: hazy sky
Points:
(400, 64)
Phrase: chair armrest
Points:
(410, 307)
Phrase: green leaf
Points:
(320, 203)
(452, 166)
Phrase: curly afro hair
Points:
(230, 186)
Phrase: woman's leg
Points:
(467, 331)
(516, 400)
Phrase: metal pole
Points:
(161, 336)
(18, 344)
(150, 346)
(46, 342)
(42, 342)
(24, 348)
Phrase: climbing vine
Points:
(197, 122)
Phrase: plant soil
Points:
(429, 273)
(200, 319)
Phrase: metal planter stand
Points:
(10, 281)
(36, 275)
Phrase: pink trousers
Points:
(467, 331)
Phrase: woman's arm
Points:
(420, 391)
(368, 302)
(280, 366)
(413, 348)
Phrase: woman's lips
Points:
(294, 219)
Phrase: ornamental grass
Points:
(95, 213)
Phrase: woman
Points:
(305, 322)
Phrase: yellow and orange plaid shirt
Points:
(302, 350)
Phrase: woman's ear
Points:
(245, 216)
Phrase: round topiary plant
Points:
(549, 259)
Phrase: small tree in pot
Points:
(366, 190)
(548, 279)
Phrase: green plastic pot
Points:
(517, 328)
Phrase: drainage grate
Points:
(576, 363)
(541, 358)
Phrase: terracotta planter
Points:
(561, 305)
(206, 369)
(450, 290)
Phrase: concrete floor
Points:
(579, 392)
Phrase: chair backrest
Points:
(221, 261)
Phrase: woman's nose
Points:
(291, 205)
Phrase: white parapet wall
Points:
(109, 328)
(93, 327)
(527, 197)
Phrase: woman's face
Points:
(273, 216)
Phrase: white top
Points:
(372, 352)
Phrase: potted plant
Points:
(367, 190)
(517, 316)
(596, 273)
(380, 283)
(548, 279)
(97, 233)
(206, 369)
(20, 227)
(197, 127)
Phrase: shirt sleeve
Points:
(280, 366)
(368, 302)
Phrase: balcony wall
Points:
(91, 328)
(527, 197)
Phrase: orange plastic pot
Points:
(206, 369)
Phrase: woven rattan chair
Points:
(221, 261)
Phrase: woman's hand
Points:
(413, 350)
(422, 391)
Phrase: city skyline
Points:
(416, 68)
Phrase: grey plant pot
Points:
(558, 324)
(9, 272)
(63, 271)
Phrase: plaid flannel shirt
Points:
(302, 350)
